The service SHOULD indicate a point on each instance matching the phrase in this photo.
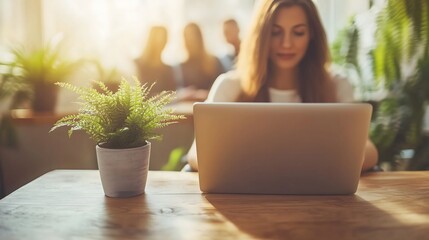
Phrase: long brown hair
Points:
(197, 53)
(155, 45)
(253, 64)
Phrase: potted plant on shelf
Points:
(110, 76)
(122, 123)
(39, 69)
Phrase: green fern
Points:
(42, 65)
(124, 119)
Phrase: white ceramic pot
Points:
(123, 172)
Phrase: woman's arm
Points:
(226, 88)
(192, 157)
(345, 94)
(371, 156)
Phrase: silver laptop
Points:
(279, 148)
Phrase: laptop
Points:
(280, 148)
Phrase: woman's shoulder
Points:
(230, 77)
(344, 89)
(226, 88)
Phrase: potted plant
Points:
(398, 63)
(110, 76)
(39, 69)
(122, 123)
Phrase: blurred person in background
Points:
(231, 33)
(197, 74)
(150, 66)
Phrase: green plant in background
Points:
(346, 52)
(124, 119)
(8, 136)
(37, 69)
(8, 87)
(345, 47)
(174, 162)
(111, 77)
(43, 65)
(401, 43)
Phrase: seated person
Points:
(284, 59)
(197, 74)
(231, 32)
(150, 66)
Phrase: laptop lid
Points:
(280, 148)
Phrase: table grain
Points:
(70, 204)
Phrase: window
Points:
(336, 13)
(115, 31)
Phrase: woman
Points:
(284, 59)
(231, 33)
(150, 66)
(200, 69)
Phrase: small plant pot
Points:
(123, 172)
(45, 97)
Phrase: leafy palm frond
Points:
(401, 39)
(124, 119)
(402, 36)
(346, 45)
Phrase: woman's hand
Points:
(371, 156)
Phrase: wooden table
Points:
(70, 204)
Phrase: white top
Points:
(227, 88)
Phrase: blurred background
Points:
(380, 46)
(116, 31)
